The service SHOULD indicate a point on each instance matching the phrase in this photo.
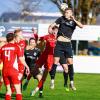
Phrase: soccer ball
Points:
(63, 6)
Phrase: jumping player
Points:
(67, 24)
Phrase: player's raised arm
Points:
(79, 24)
(50, 27)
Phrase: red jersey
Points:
(22, 45)
(9, 54)
(50, 42)
(46, 58)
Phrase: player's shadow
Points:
(2, 95)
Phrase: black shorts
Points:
(63, 49)
(63, 60)
(33, 71)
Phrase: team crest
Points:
(34, 53)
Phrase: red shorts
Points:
(46, 60)
(11, 76)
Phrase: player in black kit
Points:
(67, 25)
(31, 55)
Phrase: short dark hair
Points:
(68, 9)
(55, 27)
(32, 39)
(17, 30)
(10, 37)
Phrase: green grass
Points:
(88, 88)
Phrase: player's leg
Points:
(18, 91)
(8, 93)
(57, 54)
(7, 84)
(16, 81)
(71, 73)
(65, 75)
(39, 77)
(27, 79)
(20, 75)
(53, 71)
(41, 82)
(26, 82)
(70, 66)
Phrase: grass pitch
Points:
(88, 88)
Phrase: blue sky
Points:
(10, 5)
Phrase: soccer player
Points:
(2, 42)
(46, 58)
(32, 53)
(70, 74)
(19, 40)
(35, 35)
(1, 78)
(9, 54)
(67, 24)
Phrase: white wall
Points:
(85, 64)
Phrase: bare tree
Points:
(27, 5)
(84, 10)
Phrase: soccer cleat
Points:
(40, 95)
(72, 87)
(67, 89)
(32, 93)
(25, 86)
(52, 85)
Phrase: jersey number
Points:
(7, 54)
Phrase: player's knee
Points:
(18, 88)
(18, 91)
(70, 61)
(9, 92)
(66, 69)
(39, 77)
(56, 61)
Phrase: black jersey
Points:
(66, 27)
(31, 56)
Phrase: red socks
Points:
(18, 96)
(7, 97)
(41, 83)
